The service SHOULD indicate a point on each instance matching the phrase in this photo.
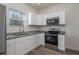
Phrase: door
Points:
(2, 28)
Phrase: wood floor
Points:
(44, 51)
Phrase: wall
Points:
(21, 8)
(72, 23)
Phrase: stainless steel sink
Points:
(21, 34)
(24, 33)
(18, 34)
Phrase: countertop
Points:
(62, 33)
(27, 33)
(21, 34)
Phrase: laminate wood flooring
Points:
(44, 51)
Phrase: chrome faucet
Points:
(21, 26)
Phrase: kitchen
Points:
(28, 28)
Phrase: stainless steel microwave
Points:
(53, 21)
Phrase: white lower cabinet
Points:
(38, 39)
(42, 39)
(23, 45)
(11, 50)
(61, 42)
(36, 42)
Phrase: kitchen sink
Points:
(18, 34)
(21, 34)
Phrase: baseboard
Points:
(61, 50)
(72, 50)
(38, 47)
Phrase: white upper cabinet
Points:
(41, 20)
(62, 17)
(36, 19)
(32, 18)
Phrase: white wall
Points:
(72, 23)
(22, 8)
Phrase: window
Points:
(16, 18)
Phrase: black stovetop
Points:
(52, 32)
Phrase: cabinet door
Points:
(36, 19)
(43, 17)
(32, 18)
(61, 42)
(36, 41)
(29, 18)
(42, 39)
(23, 45)
(11, 47)
(41, 20)
(62, 17)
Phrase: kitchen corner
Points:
(28, 29)
(25, 42)
(34, 38)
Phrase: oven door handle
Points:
(51, 35)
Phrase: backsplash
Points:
(16, 29)
(58, 28)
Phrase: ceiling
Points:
(41, 6)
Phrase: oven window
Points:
(51, 40)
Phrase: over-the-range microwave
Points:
(53, 21)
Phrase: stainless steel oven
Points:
(51, 37)
(51, 40)
(53, 21)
